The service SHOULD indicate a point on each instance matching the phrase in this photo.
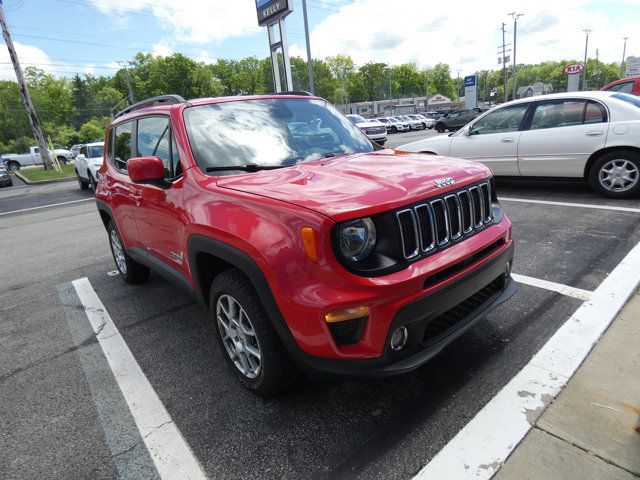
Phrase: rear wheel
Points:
(249, 342)
(130, 270)
(13, 166)
(616, 174)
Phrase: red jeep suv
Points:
(315, 250)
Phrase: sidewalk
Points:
(590, 431)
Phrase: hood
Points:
(358, 185)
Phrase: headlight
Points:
(357, 238)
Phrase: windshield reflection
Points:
(274, 132)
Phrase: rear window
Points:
(627, 98)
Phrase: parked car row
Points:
(594, 136)
(5, 177)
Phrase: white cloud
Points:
(467, 37)
(28, 55)
(162, 49)
(192, 21)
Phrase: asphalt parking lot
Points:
(61, 410)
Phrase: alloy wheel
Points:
(118, 252)
(238, 336)
(618, 175)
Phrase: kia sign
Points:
(270, 11)
(573, 69)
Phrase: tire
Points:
(616, 174)
(440, 128)
(81, 183)
(13, 166)
(394, 129)
(92, 181)
(231, 295)
(381, 143)
(131, 271)
(62, 160)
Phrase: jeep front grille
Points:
(437, 223)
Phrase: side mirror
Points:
(146, 169)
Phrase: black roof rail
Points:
(295, 92)
(149, 102)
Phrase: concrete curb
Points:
(42, 182)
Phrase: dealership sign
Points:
(270, 11)
(573, 69)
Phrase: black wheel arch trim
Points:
(198, 244)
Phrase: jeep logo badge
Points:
(444, 181)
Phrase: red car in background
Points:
(629, 85)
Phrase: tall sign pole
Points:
(34, 120)
(312, 88)
(270, 13)
(624, 52)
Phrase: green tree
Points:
(443, 84)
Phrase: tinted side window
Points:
(83, 151)
(558, 113)
(595, 113)
(626, 87)
(120, 150)
(155, 139)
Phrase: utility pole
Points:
(34, 120)
(586, 46)
(503, 59)
(306, 36)
(597, 70)
(128, 79)
(624, 53)
(515, 16)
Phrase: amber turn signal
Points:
(347, 314)
(309, 242)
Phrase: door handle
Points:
(507, 140)
(594, 134)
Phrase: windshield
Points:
(273, 132)
(95, 151)
(627, 98)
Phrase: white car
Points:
(393, 125)
(373, 129)
(589, 135)
(88, 161)
(426, 121)
(414, 123)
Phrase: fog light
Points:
(399, 338)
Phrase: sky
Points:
(65, 37)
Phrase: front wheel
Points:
(81, 183)
(616, 174)
(249, 342)
(92, 180)
(62, 160)
(440, 128)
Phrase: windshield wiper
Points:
(249, 167)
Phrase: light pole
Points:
(515, 16)
(624, 52)
(586, 46)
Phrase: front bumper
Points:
(433, 321)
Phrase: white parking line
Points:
(567, 204)
(553, 286)
(46, 206)
(170, 453)
(482, 446)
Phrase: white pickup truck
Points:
(14, 161)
